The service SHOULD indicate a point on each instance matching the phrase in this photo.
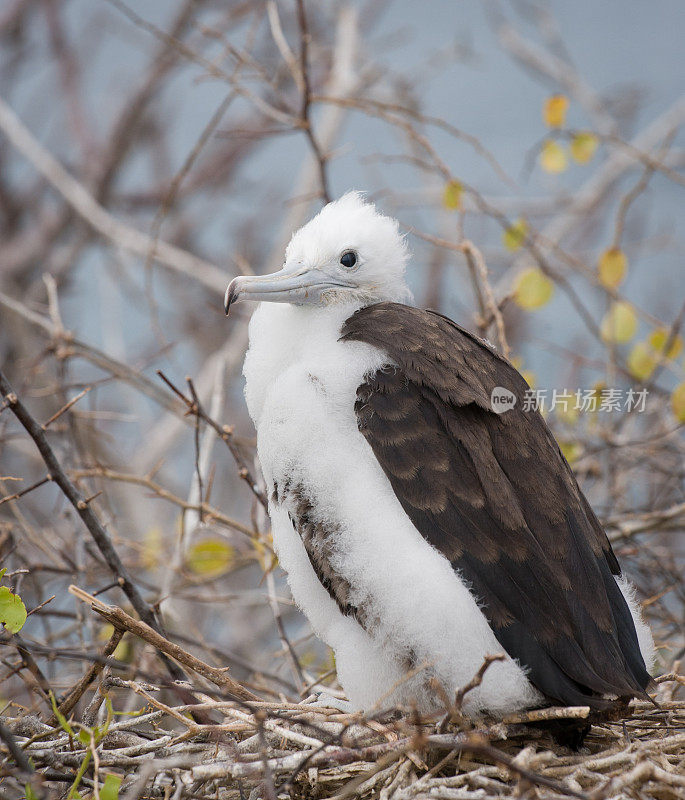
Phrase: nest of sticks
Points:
(214, 738)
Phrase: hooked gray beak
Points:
(292, 284)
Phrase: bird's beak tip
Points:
(229, 297)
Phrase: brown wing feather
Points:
(318, 539)
(495, 495)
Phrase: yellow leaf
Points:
(152, 550)
(658, 339)
(123, 651)
(308, 658)
(571, 450)
(452, 195)
(529, 377)
(554, 110)
(584, 146)
(553, 157)
(678, 402)
(533, 289)
(612, 267)
(210, 557)
(515, 235)
(619, 324)
(641, 361)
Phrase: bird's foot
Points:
(323, 700)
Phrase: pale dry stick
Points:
(120, 619)
(471, 743)
(477, 679)
(9, 497)
(542, 714)
(628, 525)
(83, 203)
(626, 201)
(482, 285)
(368, 780)
(666, 165)
(662, 355)
(273, 727)
(454, 707)
(283, 46)
(195, 506)
(568, 259)
(53, 304)
(225, 433)
(305, 117)
(400, 776)
(642, 773)
(170, 426)
(66, 407)
(206, 446)
(285, 641)
(475, 257)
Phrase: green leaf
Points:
(12, 610)
(66, 727)
(110, 790)
(28, 789)
(2, 572)
(84, 738)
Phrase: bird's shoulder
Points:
(434, 351)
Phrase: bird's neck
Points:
(282, 335)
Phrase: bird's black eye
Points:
(348, 259)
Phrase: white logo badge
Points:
(502, 400)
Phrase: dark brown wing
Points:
(494, 494)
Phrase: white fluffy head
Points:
(353, 224)
(349, 254)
